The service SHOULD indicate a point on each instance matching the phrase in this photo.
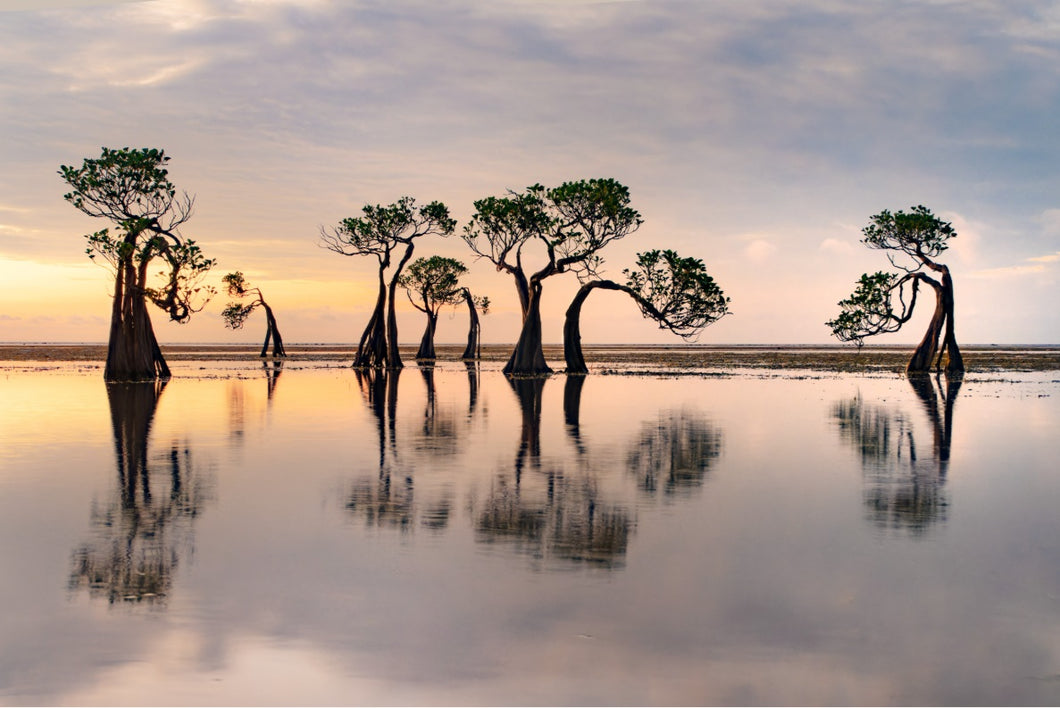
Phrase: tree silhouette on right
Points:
(883, 302)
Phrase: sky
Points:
(759, 137)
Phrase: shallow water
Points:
(304, 536)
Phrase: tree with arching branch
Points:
(235, 314)
(883, 302)
(380, 232)
(430, 284)
(474, 303)
(676, 292)
(571, 223)
(131, 188)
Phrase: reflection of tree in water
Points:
(674, 453)
(387, 499)
(237, 399)
(141, 533)
(556, 510)
(904, 488)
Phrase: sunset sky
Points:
(757, 136)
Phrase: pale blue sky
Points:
(758, 136)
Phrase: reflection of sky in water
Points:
(444, 538)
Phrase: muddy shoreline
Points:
(600, 357)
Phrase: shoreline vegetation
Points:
(601, 358)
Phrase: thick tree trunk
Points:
(371, 352)
(528, 359)
(572, 338)
(426, 350)
(924, 354)
(133, 353)
(473, 349)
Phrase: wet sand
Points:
(601, 358)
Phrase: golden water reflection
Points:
(140, 533)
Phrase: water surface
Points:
(306, 535)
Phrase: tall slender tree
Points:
(883, 302)
(676, 292)
(430, 284)
(571, 223)
(131, 188)
(235, 314)
(380, 232)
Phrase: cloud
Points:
(759, 250)
(833, 245)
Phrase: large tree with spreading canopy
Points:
(884, 301)
(569, 224)
(381, 232)
(131, 188)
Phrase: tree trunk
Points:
(273, 332)
(393, 355)
(528, 359)
(371, 352)
(955, 365)
(426, 350)
(924, 355)
(572, 338)
(473, 349)
(133, 353)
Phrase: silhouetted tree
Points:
(235, 314)
(379, 233)
(430, 284)
(572, 223)
(131, 188)
(884, 301)
(676, 292)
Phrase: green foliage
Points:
(870, 309)
(573, 222)
(235, 314)
(918, 234)
(677, 292)
(380, 228)
(482, 302)
(435, 280)
(235, 284)
(590, 214)
(131, 188)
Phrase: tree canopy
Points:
(132, 189)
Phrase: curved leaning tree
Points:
(235, 314)
(676, 292)
(131, 188)
(380, 232)
(883, 302)
(570, 223)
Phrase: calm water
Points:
(247, 535)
